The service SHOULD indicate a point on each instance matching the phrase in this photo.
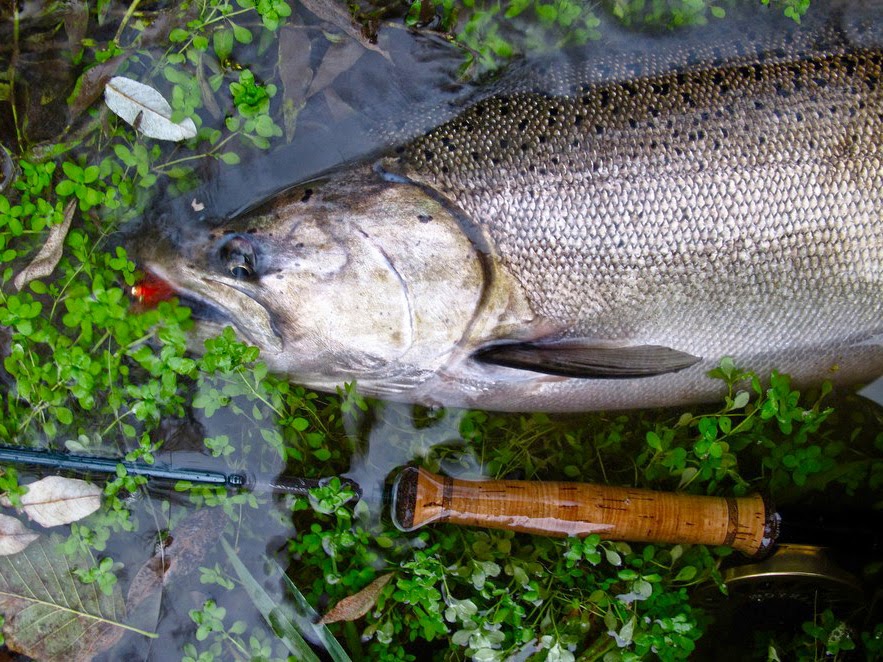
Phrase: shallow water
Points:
(383, 97)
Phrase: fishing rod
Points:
(418, 497)
(87, 464)
(555, 508)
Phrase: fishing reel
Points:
(812, 570)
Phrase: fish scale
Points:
(760, 184)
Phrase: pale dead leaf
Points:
(14, 536)
(355, 606)
(44, 262)
(338, 58)
(145, 108)
(56, 500)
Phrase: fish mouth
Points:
(203, 295)
(204, 312)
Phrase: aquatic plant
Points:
(496, 30)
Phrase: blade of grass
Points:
(332, 646)
(281, 617)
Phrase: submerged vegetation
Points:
(86, 373)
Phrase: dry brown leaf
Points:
(44, 263)
(337, 13)
(295, 49)
(338, 58)
(355, 606)
(90, 86)
(14, 536)
(188, 544)
(56, 500)
(76, 22)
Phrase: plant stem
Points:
(129, 13)
(13, 65)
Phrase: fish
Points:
(601, 249)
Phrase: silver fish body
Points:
(638, 231)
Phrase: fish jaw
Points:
(234, 305)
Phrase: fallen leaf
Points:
(295, 74)
(44, 263)
(7, 169)
(76, 22)
(145, 108)
(90, 85)
(56, 500)
(49, 614)
(183, 552)
(205, 89)
(14, 536)
(338, 15)
(338, 58)
(355, 606)
(338, 109)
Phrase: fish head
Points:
(349, 277)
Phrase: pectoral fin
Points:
(873, 391)
(573, 358)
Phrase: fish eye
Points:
(238, 256)
(240, 271)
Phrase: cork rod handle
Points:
(579, 509)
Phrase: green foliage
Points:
(831, 633)
(774, 426)
(101, 575)
(9, 485)
(215, 576)
(793, 9)
(495, 30)
(873, 643)
(253, 103)
(210, 627)
(668, 14)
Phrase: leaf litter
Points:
(57, 500)
(146, 109)
(340, 57)
(46, 260)
(355, 606)
(14, 536)
(182, 553)
(295, 51)
(338, 15)
(49, 614)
